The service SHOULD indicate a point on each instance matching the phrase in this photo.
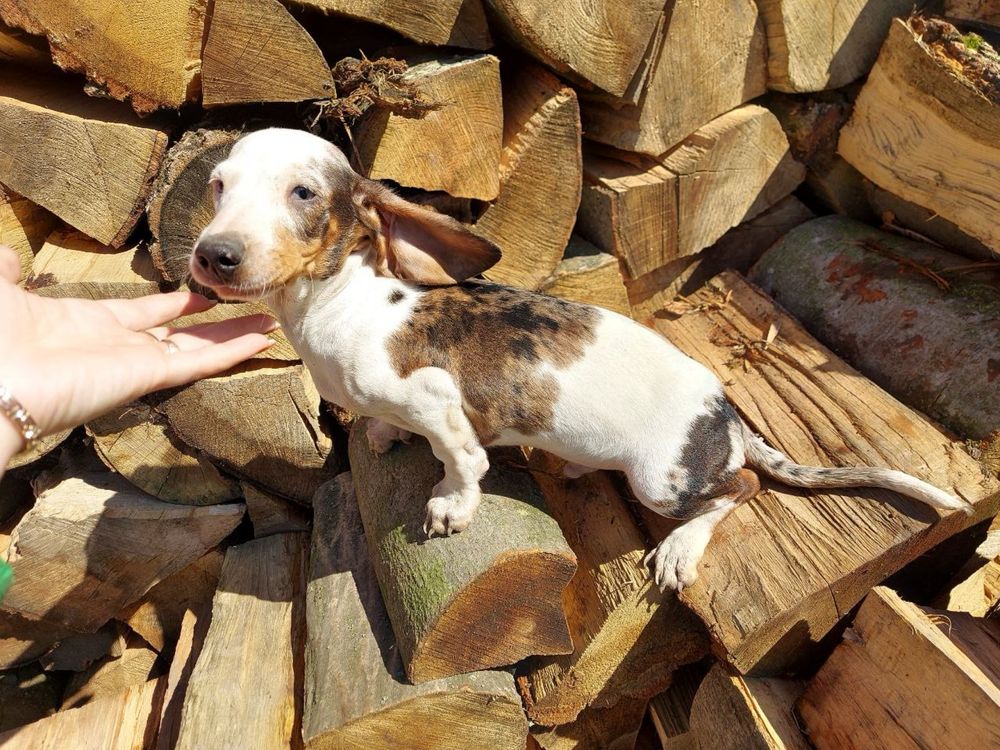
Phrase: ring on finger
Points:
(172, 348)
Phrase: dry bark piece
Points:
(628, 637)
(731, 712)
(427, 23)
(159, 614)
(891, 308)
(925, 126)
(765, 598)
(23, 227)
(85, 160)
(669, 99)
(824, 44)
(123, 722)
(529, 220)
(93, 544)
(587, 275)
(108, 677)
(272, 515)
(273, 439)
(907, 677)
(350, 635)
(255, 51)
(602, 43)
(650, 212)
(456, 146)
(256, 630)
(613, 728)
(738, 249)
(136, 442)
(151, 58)
(483, 598)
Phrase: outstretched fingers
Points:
(196, 337)
(211, 359)
(155, 309)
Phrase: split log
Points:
(425, 23)
(272, 515)
(925, 126)
(977, 590)
(180, 204)
(627, 637)
(242, 691)
(158, 615)
(273, 440)
(890, 308)
(194, 628)
(671, 709)
(28, 694)
(71, 257)
(42, 448)
(23, 49)
(602, 43)
(812, 125)
(255, 51)
(746, 713)
(78, 651)
(613, 728)
(350, 637)
(529, 220)
(105, 679)
(471, 29)
(673, 100)
(738, 249)
(83, 159)
(151, 58)
(486, 597)
(979, 12)
(767, 598)
(23, 227)
(824, 44)
(455, 148)
(126, 721)
(93, 544)
(650, 212)
(899, 679)
(136, 441)
(587, 275)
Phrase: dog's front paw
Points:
(449, 512)
(382, 435)
(674, 562)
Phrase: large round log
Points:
(486, 597)
(909, 315)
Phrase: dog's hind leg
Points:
(382, 435)
(675, 559)
(434, 410)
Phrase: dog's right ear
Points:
(417, 244)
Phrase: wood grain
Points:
(23, 227)
(428, 23)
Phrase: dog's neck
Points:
(295, 301)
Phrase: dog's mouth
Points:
(241, 292)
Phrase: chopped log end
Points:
(471, 634)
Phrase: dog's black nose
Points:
(220, 254)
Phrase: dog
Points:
(378, 297)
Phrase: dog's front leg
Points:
(434, 409)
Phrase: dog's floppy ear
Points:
(417, 244)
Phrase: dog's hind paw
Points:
(450, 512)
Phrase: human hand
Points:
(70, 360)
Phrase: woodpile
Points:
(800, 195)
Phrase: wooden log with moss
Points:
(350, 636)
(483, 598)
(892, 308)
(628, 638)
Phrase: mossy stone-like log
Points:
(356, 691)
(874, 299)
(486, 597)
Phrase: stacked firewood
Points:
(228, 565)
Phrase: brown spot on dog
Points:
(396, 297)
(492, 339)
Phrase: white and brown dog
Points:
(374, 294)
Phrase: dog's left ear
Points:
(417, 244)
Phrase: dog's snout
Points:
(220, 254)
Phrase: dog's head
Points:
(288, 206)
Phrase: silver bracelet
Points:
(17, 414)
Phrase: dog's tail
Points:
(759, 455)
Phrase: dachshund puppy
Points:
(376, 295)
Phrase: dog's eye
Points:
(303, 193)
